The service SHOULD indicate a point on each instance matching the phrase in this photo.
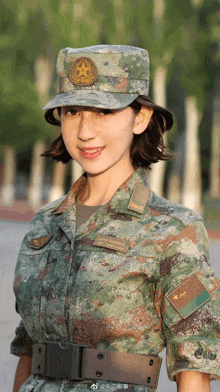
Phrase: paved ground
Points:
(11, 234)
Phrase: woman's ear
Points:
(142, 120)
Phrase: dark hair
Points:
(146, 148)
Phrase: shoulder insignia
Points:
(37, 243)
(139, 198)
(189, 296)
(114, 243)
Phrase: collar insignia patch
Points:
(139, 198)
(83, 72)
(118, 244)
(189, 296)
(38, 243)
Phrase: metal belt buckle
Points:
(61, 360)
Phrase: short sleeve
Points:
(22, 343)
(188, 298)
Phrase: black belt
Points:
(78, 362)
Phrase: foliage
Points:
(22, 120)
(31, 29)
(196, 55)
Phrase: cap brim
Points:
(92, 98)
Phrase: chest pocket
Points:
(32, 259)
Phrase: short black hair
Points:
(146, 148)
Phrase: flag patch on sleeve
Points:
(189, 296)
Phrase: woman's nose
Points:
(87, 128)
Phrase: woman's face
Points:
(98, 139)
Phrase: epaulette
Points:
(51, 206)
(175, 210)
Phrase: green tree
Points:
(31, 35)
(196, 57)
(21, 122)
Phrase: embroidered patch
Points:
(37, 243)
(83, 72)
(114, 243)
(189, 296)
(139, 198)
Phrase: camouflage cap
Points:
(106, 76)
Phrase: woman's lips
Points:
(91, 153)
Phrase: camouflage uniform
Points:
(122, 292)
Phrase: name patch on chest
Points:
(189, 296)
(105, 241)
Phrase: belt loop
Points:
(39, 359)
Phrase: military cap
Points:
(106, 76)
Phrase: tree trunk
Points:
(37, 175)
(174, 186)
(119, 20)
(159, 6)
(215, 163)
(197, 3)
(43, 77)
(7, 191)
(156, 176)
(192, 183)
(57, 189)
(174, 180)
(77, 171)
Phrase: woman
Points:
(110, 274)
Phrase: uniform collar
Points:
(71, 196)
(131, 197)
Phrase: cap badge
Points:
(83, 72)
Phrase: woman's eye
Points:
(68, 112)
(105, 111)
(71, 112)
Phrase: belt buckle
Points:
(63, 360)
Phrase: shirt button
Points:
(199, 354)
(212, 355)
(75, 331)
(94, 386)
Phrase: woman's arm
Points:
(23, 372)
(192, 381)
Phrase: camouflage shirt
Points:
(133, 278)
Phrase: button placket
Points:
(94, 386)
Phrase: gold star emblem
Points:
(83, 69)
(176, 297)
(83, 72)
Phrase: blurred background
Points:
(183, 40)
